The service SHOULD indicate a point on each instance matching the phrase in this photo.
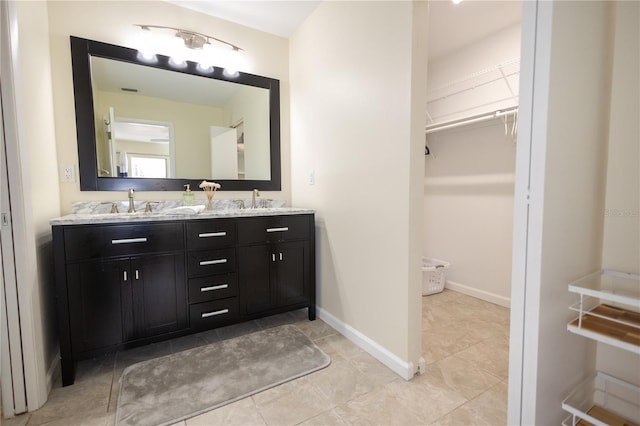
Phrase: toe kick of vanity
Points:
(121, 285)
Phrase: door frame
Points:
(36, 382)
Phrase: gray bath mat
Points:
(166, 390)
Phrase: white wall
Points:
(468, 208)
(358, 96)
(622, 208)
(565, 109)
(474, 66)
(39, 199)
(468, 192)
(113, 22)
(191, 123)
(621, 249)
(250, 105)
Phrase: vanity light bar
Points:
(200, 50)
(192, 39)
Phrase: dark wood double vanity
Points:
(122, 284)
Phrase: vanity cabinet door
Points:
(95, 304)
(254, 274)
(157, 297)
(274, 276)
(291, 261)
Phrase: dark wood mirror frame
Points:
(81, 52)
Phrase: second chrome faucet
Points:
(132, 207)
(256, 194)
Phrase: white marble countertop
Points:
(173, 214)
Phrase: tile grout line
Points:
(113, 377)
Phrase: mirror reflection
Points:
(156, 123)
(184, 123)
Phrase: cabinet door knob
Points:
(281, 256)
(124, 277)
(137, 275)
(273, 257)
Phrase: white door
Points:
(11, 363)
(224, 153)
(111, 144)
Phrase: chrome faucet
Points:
(132, 207)
(114, 206)
(256, 193)
(148, 208)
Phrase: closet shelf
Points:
(608, 309)
(484, 92)
(603, 400)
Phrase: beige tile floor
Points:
(465, 342)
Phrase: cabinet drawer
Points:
(211, 234)
(96, 241)
(273, 229)
(206, 262)
(212, 287)
(212, 314)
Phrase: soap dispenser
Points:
(188, 196)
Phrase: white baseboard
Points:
(51, 371)
(404, 369)
(480, 294)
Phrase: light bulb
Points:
(146, 45)
(233, 63)
(230, 72)
(176, 53)
(456, 1)
(205, 59)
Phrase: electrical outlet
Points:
(67, 173)
(312, 177)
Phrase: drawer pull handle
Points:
(214, 287)
(214, 313)
(212, 234)
(213, 262)
(283, 229)
(129, 241)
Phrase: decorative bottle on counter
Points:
(188, 196)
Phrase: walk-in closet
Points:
(578, 357)
(470, 146)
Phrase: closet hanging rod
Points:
(463, 122)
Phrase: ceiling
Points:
(112, 76)
(451, 26)
(279, 17)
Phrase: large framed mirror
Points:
(155, 127)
